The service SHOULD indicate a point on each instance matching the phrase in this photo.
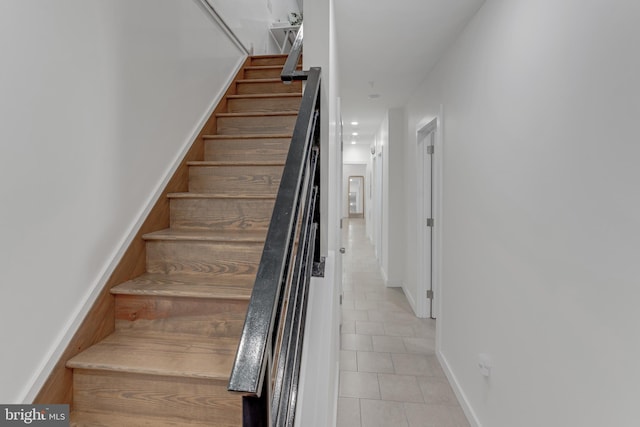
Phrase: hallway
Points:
(389, 373)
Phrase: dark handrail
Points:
(290, 70)
(271, 340)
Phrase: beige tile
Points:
(387, 305)
(460, 418)
(391, 316)
(411, 364)
(348, 314)
(399, 329)
(387, 344)
(348, 327)
(369, 328)
(420, 345)
(356, 342)
(437, 390)
(376, 413)
(348, 361)
(374, 362)
(348, 304)
(366, 305)
(400, 388)
(359, 384)
(348, 412)
(425, 330)
(436, 368)
(425, 415)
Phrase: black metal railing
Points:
(267, 364)
(290, 70)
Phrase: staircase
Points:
(177, 326)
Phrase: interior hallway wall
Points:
(541, 211)
(317, 401)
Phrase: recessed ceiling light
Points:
(354, 123)
(353, 142)
(355, 134)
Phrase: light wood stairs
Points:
(177, 326)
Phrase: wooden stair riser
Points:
(266, 149)
(264, 72)
(263, 104)
(235, 180)
(103, 419)
(246, 87)
(203, 257)
(203, 317)
(256, 125)
(267, 60)
(202, 400)
(221, 214)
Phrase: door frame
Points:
(429, 132)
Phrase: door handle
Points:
(342, 250)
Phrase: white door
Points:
(426, 288)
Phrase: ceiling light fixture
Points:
(354, 123)
(355, 134)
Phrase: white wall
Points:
(388, 196)
(541, 208)
(98, 101)
(356, 153)
(393, 198)
(318, 401)
(250, 20)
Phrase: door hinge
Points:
(429, 294)
(430, 149)
(430, 222)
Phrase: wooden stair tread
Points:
(244, 236)
(249, 136)
(259, 114)
(193, 195)
(265, 95)
(266, 67)
(172, 355)
(269, 80)
(103, 419)
(229, 286)
(234, 163)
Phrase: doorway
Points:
(355, 194)
(428, 220)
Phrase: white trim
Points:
(211, 11)
(438, 188)
(354, 163)
(90, 297)
(394, 283)
(410, 299)
(459, 392)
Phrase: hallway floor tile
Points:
(389, 372)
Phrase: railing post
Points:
(255, 409)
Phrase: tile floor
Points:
(389, 373)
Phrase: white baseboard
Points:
(460, 394)
(411, 299)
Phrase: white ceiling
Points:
(387, 49)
